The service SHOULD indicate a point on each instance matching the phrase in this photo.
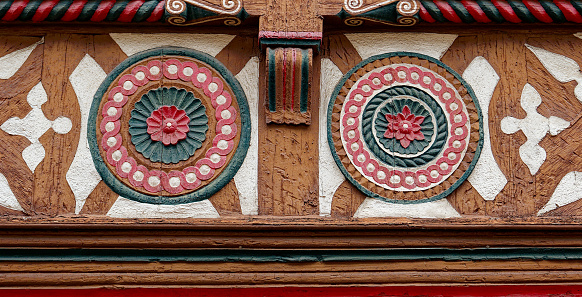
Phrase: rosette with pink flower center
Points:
(168, 124)
(404, 127)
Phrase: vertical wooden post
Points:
(288, 175)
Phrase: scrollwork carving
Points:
(407, 7)
(229, 7)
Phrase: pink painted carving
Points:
(290, 35)
(168, 124)
(404, 127)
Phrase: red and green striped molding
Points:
(472, 11)
(501, 11)
(125, 11)
(430, 11)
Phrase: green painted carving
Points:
(156, 151)
(392, 101)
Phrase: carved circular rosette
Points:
(169, 126)
(405, 128)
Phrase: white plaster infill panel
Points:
(82, 175)
(535, 127)
(132, 43)
(374, 208)
(430, 44)
(125, 208)
(487, 178)
(568, 190)
(10, 63)
(246, 179)
(330, 176)
(7, 197)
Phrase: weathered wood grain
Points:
(288, 176)
(341, 52)
(226, 200)
(13, 103)
(558, 99)
(62, 54)
(106, 52)
(227, 279)
(10, 212)
(346, 200)
(466, 200)
(100, 200)
(238, 52)
(27, 76)
(291, 16)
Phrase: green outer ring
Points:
(345, 172)
(204, 192)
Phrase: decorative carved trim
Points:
(132, 11)
(179, 20)
(230, 7)
(146, 169)
(497, 11)
(290, 35)
(371, 108)
(401, 22)
(289, 79)
(404, 7)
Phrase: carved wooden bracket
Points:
(289, 58)
(289, 77)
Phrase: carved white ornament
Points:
(34, 125)
(535, 127)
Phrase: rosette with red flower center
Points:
(168, 124)
(404, 127)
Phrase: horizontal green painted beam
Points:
(245, 255)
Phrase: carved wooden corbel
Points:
(289, 67)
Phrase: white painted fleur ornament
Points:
(535, 127)
(562, 68)
(34, 125)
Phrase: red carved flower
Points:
(404, 127)
(168, 124)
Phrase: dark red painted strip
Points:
(468, 291)
(157, 13)
(74, 10)
(130, 11)
(569, 11)
(538, 11)
(293, 81)
(284, 78)
(43, 10)
(475, 11)
(506, 11)
(15, 10)
(447, 11)
(102, 10)
(425, 16)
